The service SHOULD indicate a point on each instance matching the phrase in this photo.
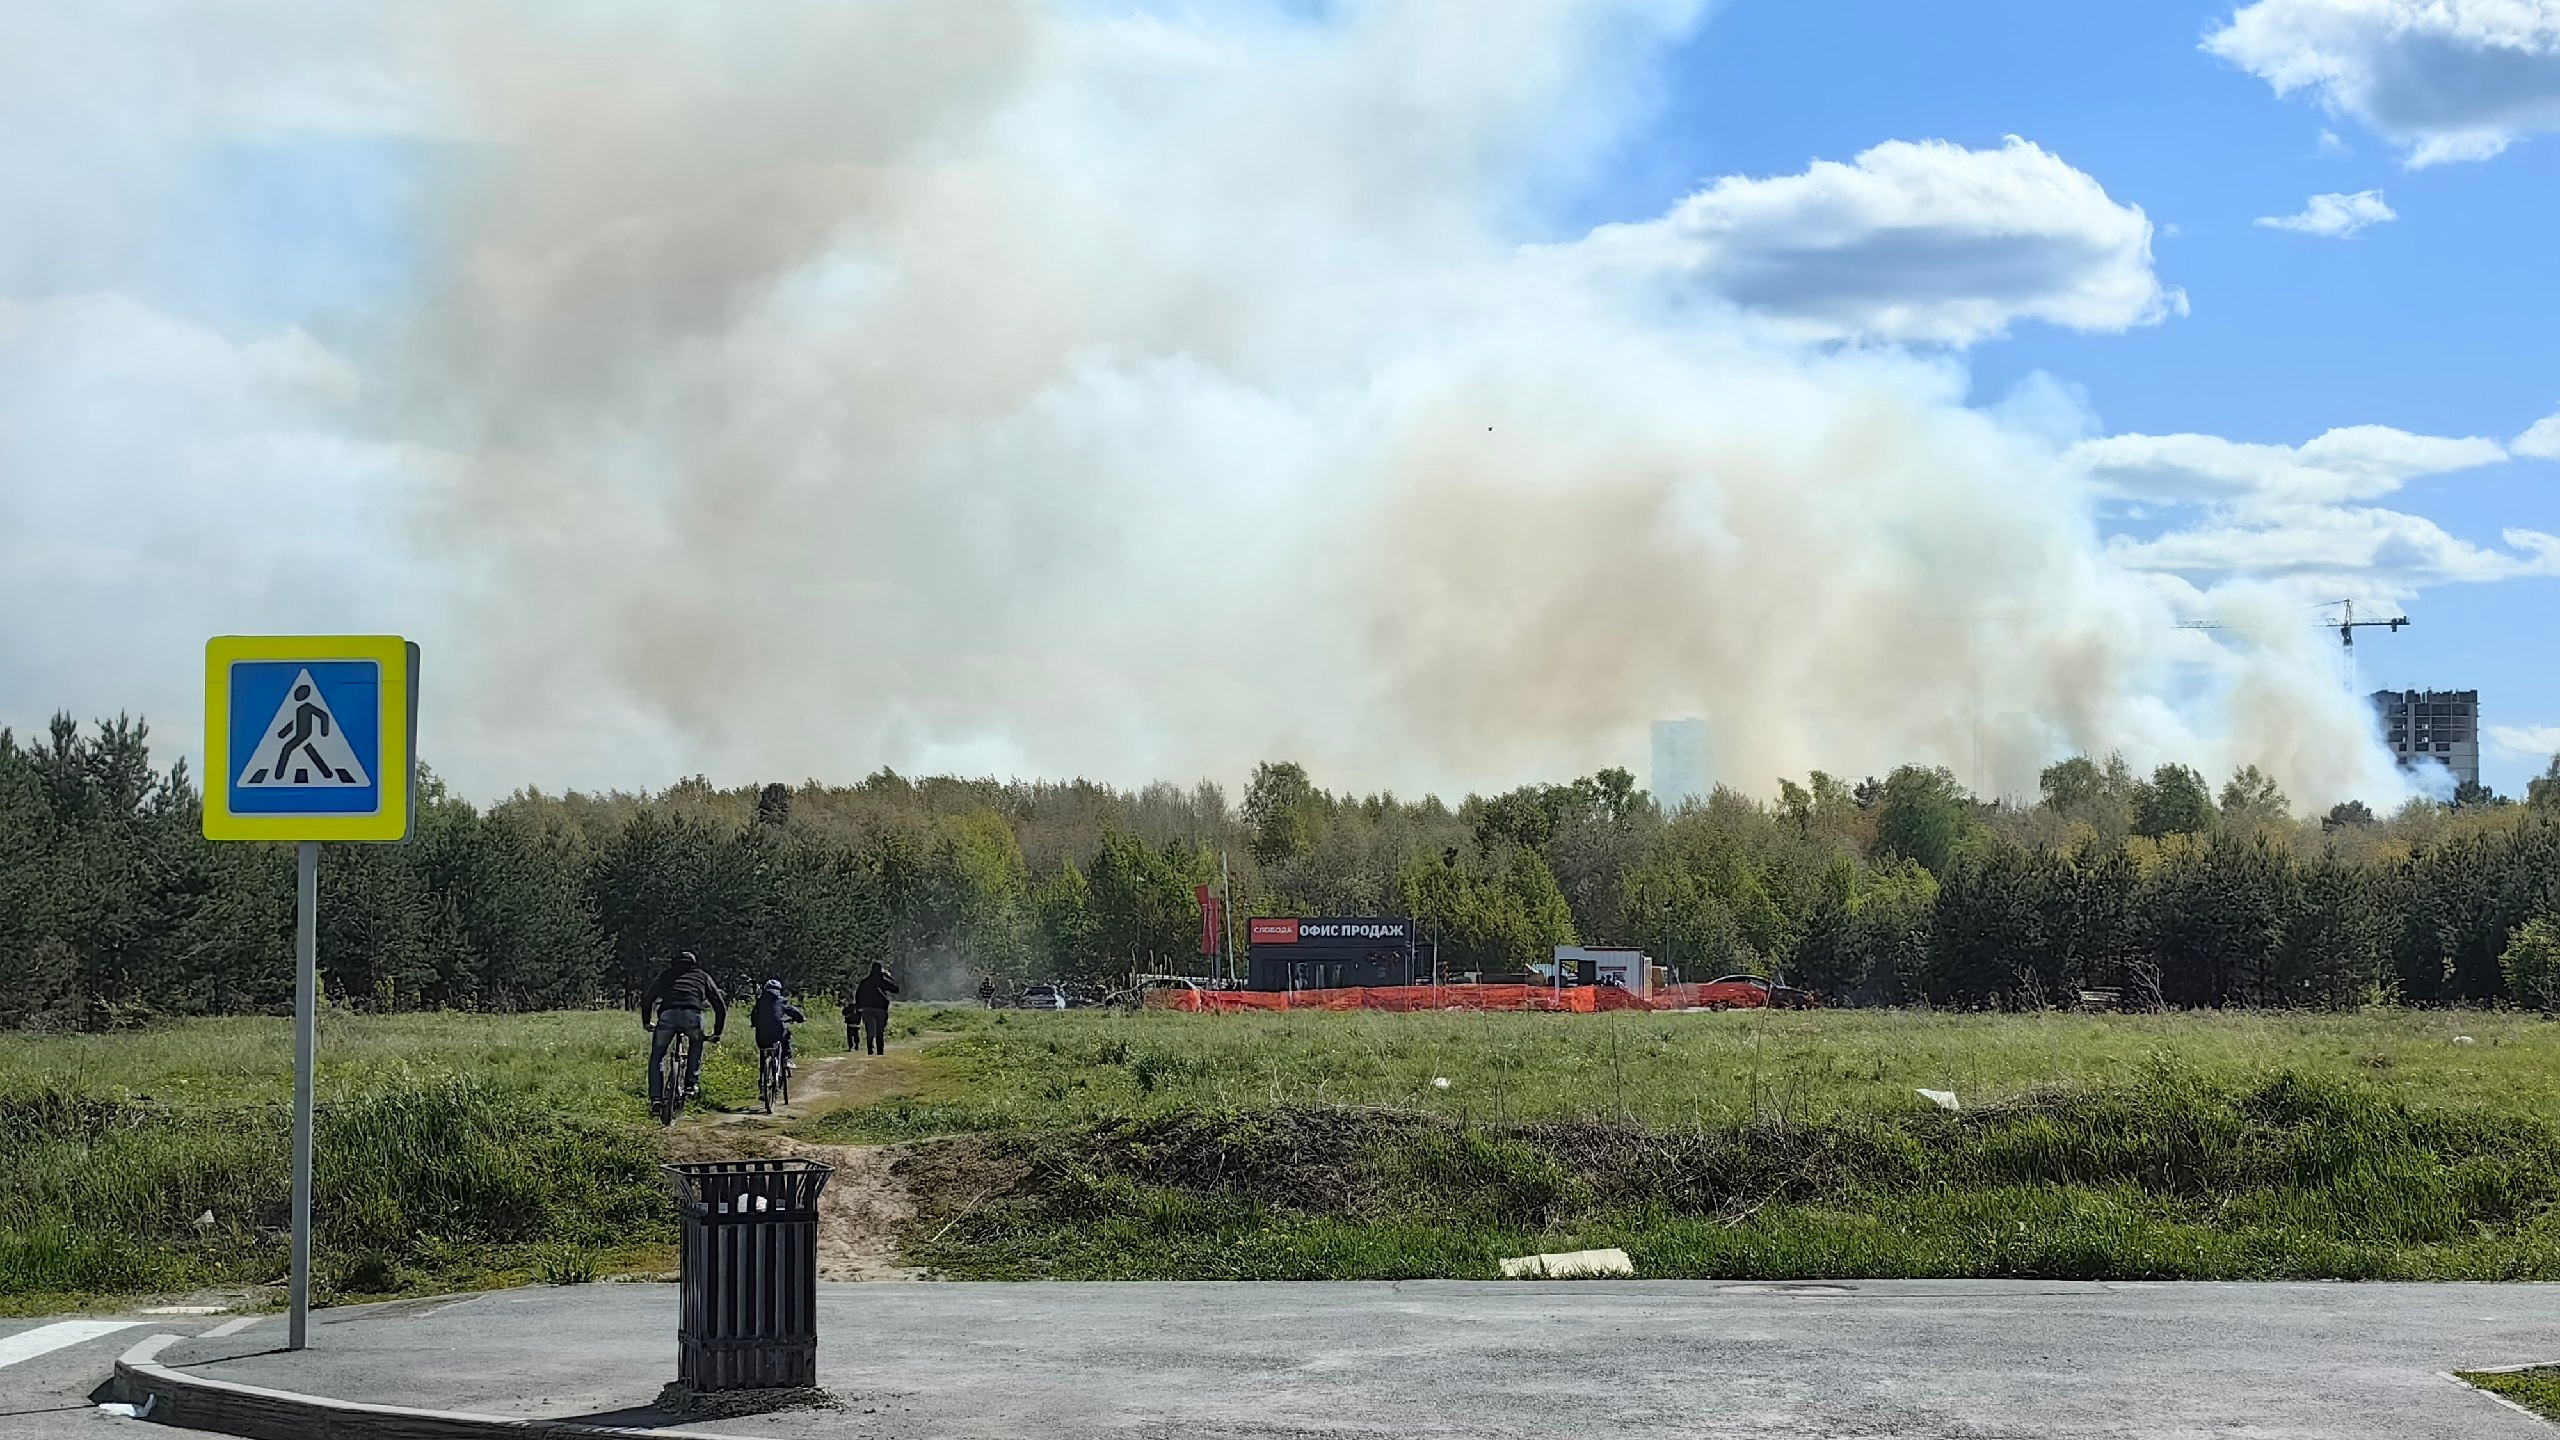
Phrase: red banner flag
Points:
(1213, 920)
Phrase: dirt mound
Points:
(862, 1212)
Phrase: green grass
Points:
(2238, 1146)
(468, 1150)
(2172, 1176)
(1040, 1071)
(452, 1151)
(2537, 1390)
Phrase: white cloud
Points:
(163, 482)
(2372, 551)
(2284, 513)
(2333, 146)
(2443, 79)
(2542, 442)
(2523, 742)
(1923, 241)
(2337, 216)
(2356, 462)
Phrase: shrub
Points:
(2532, 963)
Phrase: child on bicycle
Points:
(773, 1015)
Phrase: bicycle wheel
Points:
(671, 1072)
(769, 1077)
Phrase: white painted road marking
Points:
(45, 1339)
(230, 1327)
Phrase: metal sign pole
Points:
(306, 1037)
(309, 738)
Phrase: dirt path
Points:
(836, 1082)
(863, 1208)
(861, 1211)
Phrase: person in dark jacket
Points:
(773, 1018)
(673, 1007)
(871, 1006)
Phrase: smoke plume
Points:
(797, 388)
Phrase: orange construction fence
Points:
(1579, 999)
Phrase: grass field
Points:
(452, 1151)
(468, 1150)
(1012, 1070)
(2391, 1145)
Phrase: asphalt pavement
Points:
(1872, 1359)
(48, 1367)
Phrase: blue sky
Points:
(861, 366)
(2440, 322)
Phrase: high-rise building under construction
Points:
(2442, 726)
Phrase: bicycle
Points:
(773, 1073)
(672, 1069)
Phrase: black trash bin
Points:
(748, 1309)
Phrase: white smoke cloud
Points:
(2446, 80)
(795, 389)
(2336, 217)
(1912, 242)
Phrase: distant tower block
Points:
(1679, 762)
(2439, 726)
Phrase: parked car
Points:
(1041, 997)
(1751, 992)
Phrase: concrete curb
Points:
(2493, 1397)
(192, 1402)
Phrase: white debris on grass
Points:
(1570, 1265)
(1943, 1099)
(2464, 1040)
(1439, 1082)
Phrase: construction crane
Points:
(2348, 624)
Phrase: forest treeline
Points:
(1897, 890)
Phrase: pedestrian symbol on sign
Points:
(303, 745)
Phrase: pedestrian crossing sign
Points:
(309, 737)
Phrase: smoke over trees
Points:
(1062, 389)
(1906, 890)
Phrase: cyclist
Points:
(673, 1007)
(773, 1017)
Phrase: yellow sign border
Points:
(389, 823)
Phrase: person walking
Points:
(871, 1003)
(986, 992)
